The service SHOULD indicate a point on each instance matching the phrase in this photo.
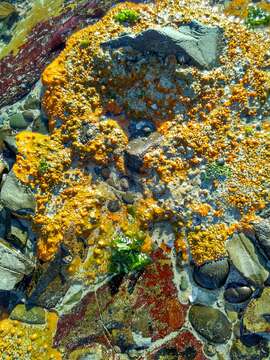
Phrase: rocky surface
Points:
(196, 43)
(16, 197)
(210, 323)
(246, 259)
(13, 266)
(134, 176)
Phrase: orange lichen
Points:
(208, 244)
(86, 102)
(28, 342)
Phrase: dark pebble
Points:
(113, 205)
(236, 293)
(212, 275)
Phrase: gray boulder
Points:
(246, 259)
(13, 266)
(262, 232)
(194, 43)
(17, 197)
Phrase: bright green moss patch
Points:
(257, 17)
(127, 255)
(43, 166)
(216, 171)
(127, 16)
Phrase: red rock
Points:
(20, 72)
(185, 345)
(152, 309)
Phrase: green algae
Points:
(127, 16)
(257, 17)
(216, 171)
(43, 166)
(127, 255)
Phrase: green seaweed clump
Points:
(216, 171)
(257, 17)
(127, 16)
(127, 255)
(43, 166)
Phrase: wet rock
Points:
(212, 275)
(31, 315)
(28, 115)
(71, 298)
(51, 282)
(197, 44)
(113, 205)
(4, 221)
(237, 293)
(184, 283)
(246, 259)
(105, 173)
(32, 102)
(210, 323)
(137, 148)
(239, 351)
(13, 266)
(17, 197)
(17, 233)
(256, 318)
(17, 121)
(141, 128)
(262, 232)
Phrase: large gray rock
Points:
(17, 197)
(262, 231)
(246, 259)
(13, 266)
(193, 43)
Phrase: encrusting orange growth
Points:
(29, 342)
(86, 100)
(208, 244)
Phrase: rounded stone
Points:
(210, 323)
(212, 275)
(113, 205)
(237, 293)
